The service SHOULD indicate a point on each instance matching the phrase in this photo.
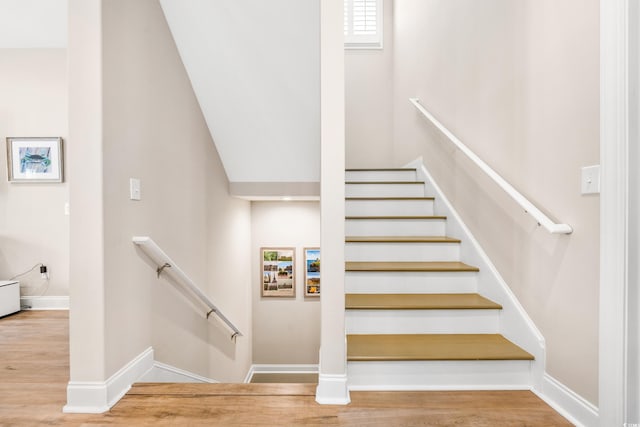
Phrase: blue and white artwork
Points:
(34, 160)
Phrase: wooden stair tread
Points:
(419, 302)
(433, 347)
(401, 239)
(391, 198)
(382, 170)
(222, 389)
(397, 217)
(431, 266)
(385, 182)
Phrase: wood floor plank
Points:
(439, 266)
(390, 198)
(419, 302)
(401, 239)
(38, 400)
(397, 347)
(398, 217)
(382, 170)
(297, 377)
(385, 182)
(223, 389)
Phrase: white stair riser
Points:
(385, 190)
(402, 251)
(440, 375)
(385, 282)
(389, 207)
(390, 175)
(395, 227)
(422, 321)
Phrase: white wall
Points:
(369, 101)
(285, 330)
(149, 126)
(33, 225)
(633, 307)
(518, 82)
(33, 24)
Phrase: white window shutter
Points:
(363, 23)
(365, 19)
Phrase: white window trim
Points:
(369, 41)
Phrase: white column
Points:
(86, 240)
(332, 383)
(633, 291)
(618, 212)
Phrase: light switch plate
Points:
(591, 179)
(134, 189)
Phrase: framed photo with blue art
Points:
(312, 272)
(34, 159)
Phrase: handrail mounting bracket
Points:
(161, 268)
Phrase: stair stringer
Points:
(514, 322)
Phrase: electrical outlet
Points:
(590, 179)
(44, 273)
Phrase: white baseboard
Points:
(44, 302)
(332, 390)
(95, 397)
(280, 369)
(568, 403)
(163, 373)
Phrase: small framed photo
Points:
(278, 272)
(312, 272)
(34, 159)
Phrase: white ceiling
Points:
(33, 24)
(255, 68)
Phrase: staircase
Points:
(414, 316)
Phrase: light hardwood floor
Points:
(34, 371)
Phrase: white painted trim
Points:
(332, 390)
(95, 397)
(280, 369)
(44, 302)
(161, 373)
(275, 190)
(249, 376)
(515, 323)
(440, 375)
(567, 403)
(414, 387)
(86, 397)
(614, 209)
